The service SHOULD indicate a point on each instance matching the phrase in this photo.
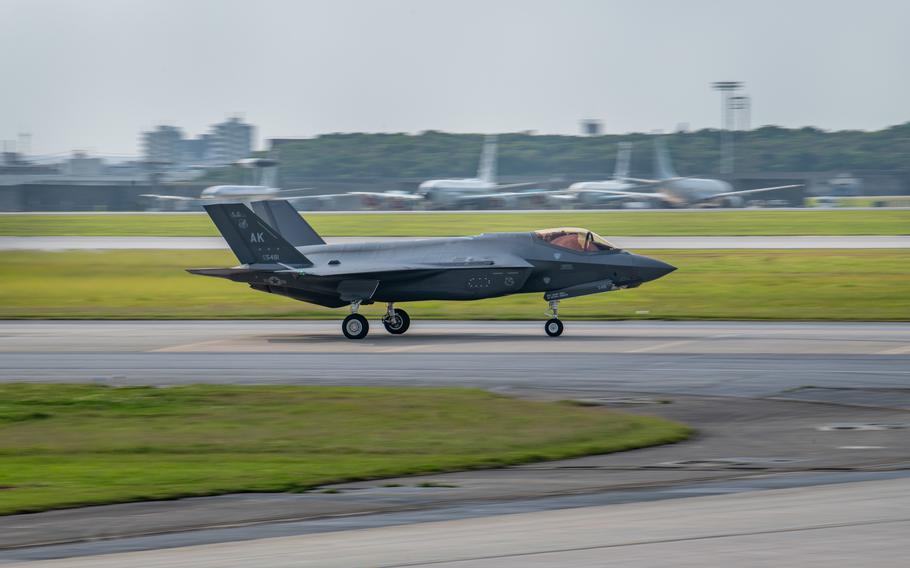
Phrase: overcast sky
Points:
(92, 74)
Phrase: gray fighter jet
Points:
(281, 254)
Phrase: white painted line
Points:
(660, 346)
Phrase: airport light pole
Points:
(742, 103)
(727, 89)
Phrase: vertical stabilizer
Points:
(663, 168)
(623, 158)
(487, 169)
(251, 238)
(284, 218)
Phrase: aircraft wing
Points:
(750, 191)
(169, 197)
(619, 194)
(517, 185)
(281, 193)
(356, 268)
(389, 196)
(641, 181)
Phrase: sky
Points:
(93, 74)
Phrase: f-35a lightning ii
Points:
(281, 254)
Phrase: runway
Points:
(705, 358)
(687, 242)
(752, 389)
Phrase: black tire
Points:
(553, 327)
(399, 324)
(355, 326)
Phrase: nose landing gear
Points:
(553, 327)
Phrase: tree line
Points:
(435, 154)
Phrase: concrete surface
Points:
(858, 524)
(195, 243)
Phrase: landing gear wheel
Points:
(355, 326)
(398, 323)
(553, 327)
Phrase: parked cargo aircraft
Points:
(597, 193)
(672, 190)
(264, 188)
(281, 254)
(477, 191)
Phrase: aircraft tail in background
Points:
(623, 159)
(487, 169)
(663, 168)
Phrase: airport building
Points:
(230, 141)
(227, 142)
(163, 144)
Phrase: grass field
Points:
(743, 284)
(624, 223)
(869, 201)
(69, 445)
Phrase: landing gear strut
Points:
(396, 321)
(355, 326)
(553, 327)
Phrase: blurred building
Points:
(82, 165)
(226, 143)
(230, 141)
(163, 144)
(592, 127)
(197, 150)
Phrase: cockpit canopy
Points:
(573, 238)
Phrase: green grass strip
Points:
(709, 284)
(625, 223)
(70, 445)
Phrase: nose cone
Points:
(652, 269)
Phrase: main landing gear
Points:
(553, 327)
(355, 326)
(396, 321)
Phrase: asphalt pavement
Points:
(822, 407)
(708, 358)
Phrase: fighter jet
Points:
(672, 190)
(280, 253)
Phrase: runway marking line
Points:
(661, 346)
(185, 346)
(903, 350)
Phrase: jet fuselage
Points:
(468, 268)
